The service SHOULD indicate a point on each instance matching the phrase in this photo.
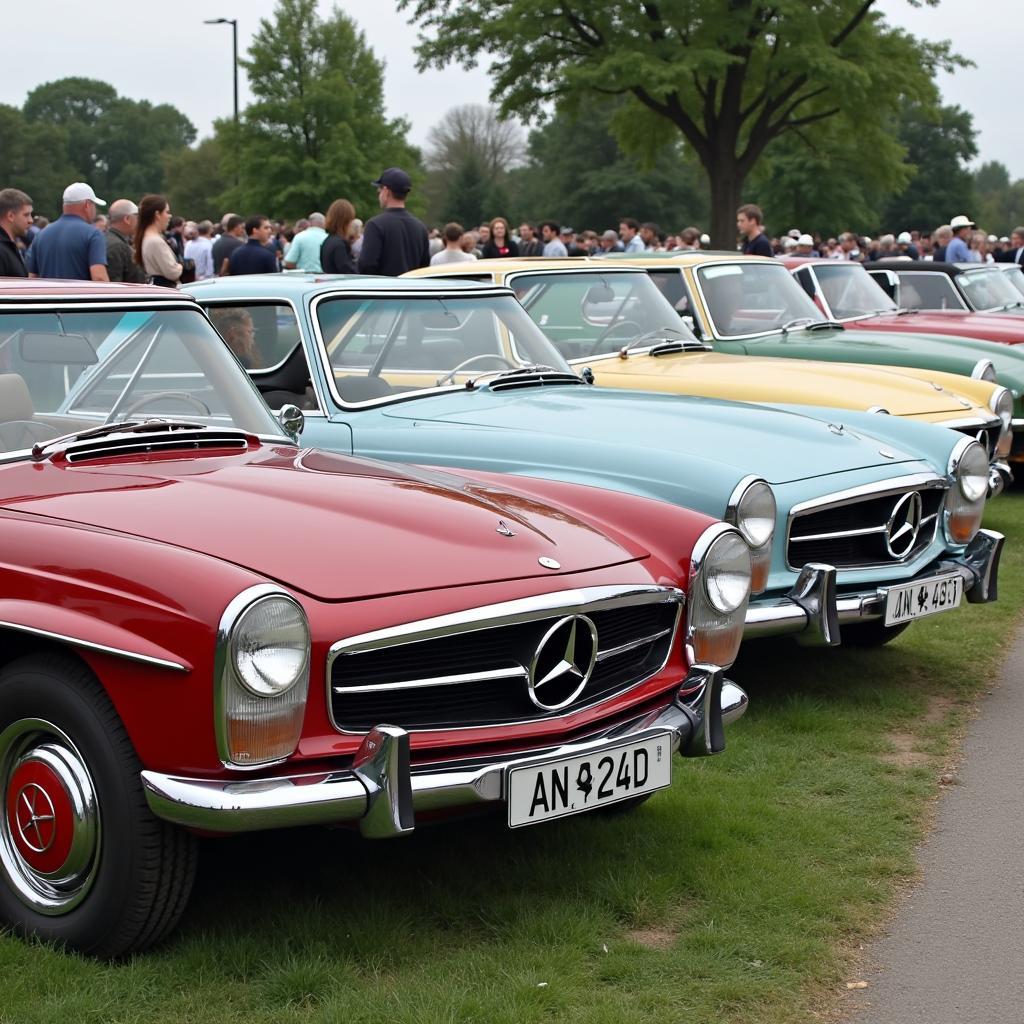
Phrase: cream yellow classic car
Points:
(611, 320)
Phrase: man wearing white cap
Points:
(957, 251)
(905, 244)
(71, 248)
(805, 246)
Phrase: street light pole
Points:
(233, 22)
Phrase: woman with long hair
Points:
(501, 243)
(152, 251)
(336, 249)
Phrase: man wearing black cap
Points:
(394, 241)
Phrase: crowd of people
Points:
(143, 242)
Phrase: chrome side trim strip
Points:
(117, 652)
(840, 533)
(416, 684)
(903, 483)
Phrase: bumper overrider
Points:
(382, 791)
(815, 611)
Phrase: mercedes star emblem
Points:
(904, 524)
(35, 818)
(563, 662)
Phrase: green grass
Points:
(734, 896)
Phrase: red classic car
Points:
(207, 629)
(859, 293)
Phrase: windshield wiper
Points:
(658, 332)
(904, 311)
(40, 449)
(805, 323)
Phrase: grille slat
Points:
(837, 535)
(466, 704)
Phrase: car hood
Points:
(776, 444)
(956, 354)
(759, 379)
(328, 525)
(1002, 327)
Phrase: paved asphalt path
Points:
(955, 951)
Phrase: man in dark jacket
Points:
(121, 265)
(394, 241)
(15, 220)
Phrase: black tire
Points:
(129, 875)
(871, 634)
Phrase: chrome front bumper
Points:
(814, 610)
(382, 791)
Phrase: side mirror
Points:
(291, 418)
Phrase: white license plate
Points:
(916, 600)
(554, 789)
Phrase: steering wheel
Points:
(157, 396)
(610, 330)
(449, 376)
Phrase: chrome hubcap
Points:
(50, 831)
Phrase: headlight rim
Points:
(733, 509)
(233, 650)
(998, 395)
(984, 369)
(956, 461)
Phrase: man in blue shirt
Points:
(254, 257)
(957, 251)
(71, 248)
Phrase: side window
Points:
(261, 335)
(928, 291)
(670, 284)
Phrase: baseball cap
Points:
(992, 238)
(961, 221)
(789, 242)
(904, 238)
(395, 179)
(567, 231)
(705, 239)
(79, 192)
(805, 240)
(793, 232)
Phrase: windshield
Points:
(851, 291)
(1015, 276)
(587, 314)
(988, 289)
(745, 299)
(65, 372)
(382, 347)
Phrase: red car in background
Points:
(206, 629)
(851, 292)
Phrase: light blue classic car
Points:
(853, 519)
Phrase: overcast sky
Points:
(187, 63)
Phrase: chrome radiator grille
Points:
(497, 670)
(868, 531)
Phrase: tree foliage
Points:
(317, 129)
(999, 202)
(730, 76)
(116, 144)
(939, 143)
(578, 172)
(196, 183)
(34, 159)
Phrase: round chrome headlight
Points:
(972, 472)
(1001, 403)
(984, 370)
(727, 572)
(270, 646)
(754, 514)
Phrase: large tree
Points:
(731, 76)
(34, 158)
(317, 129)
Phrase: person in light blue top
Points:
(304, 252)
(958, 250)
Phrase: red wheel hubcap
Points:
(40, 816)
